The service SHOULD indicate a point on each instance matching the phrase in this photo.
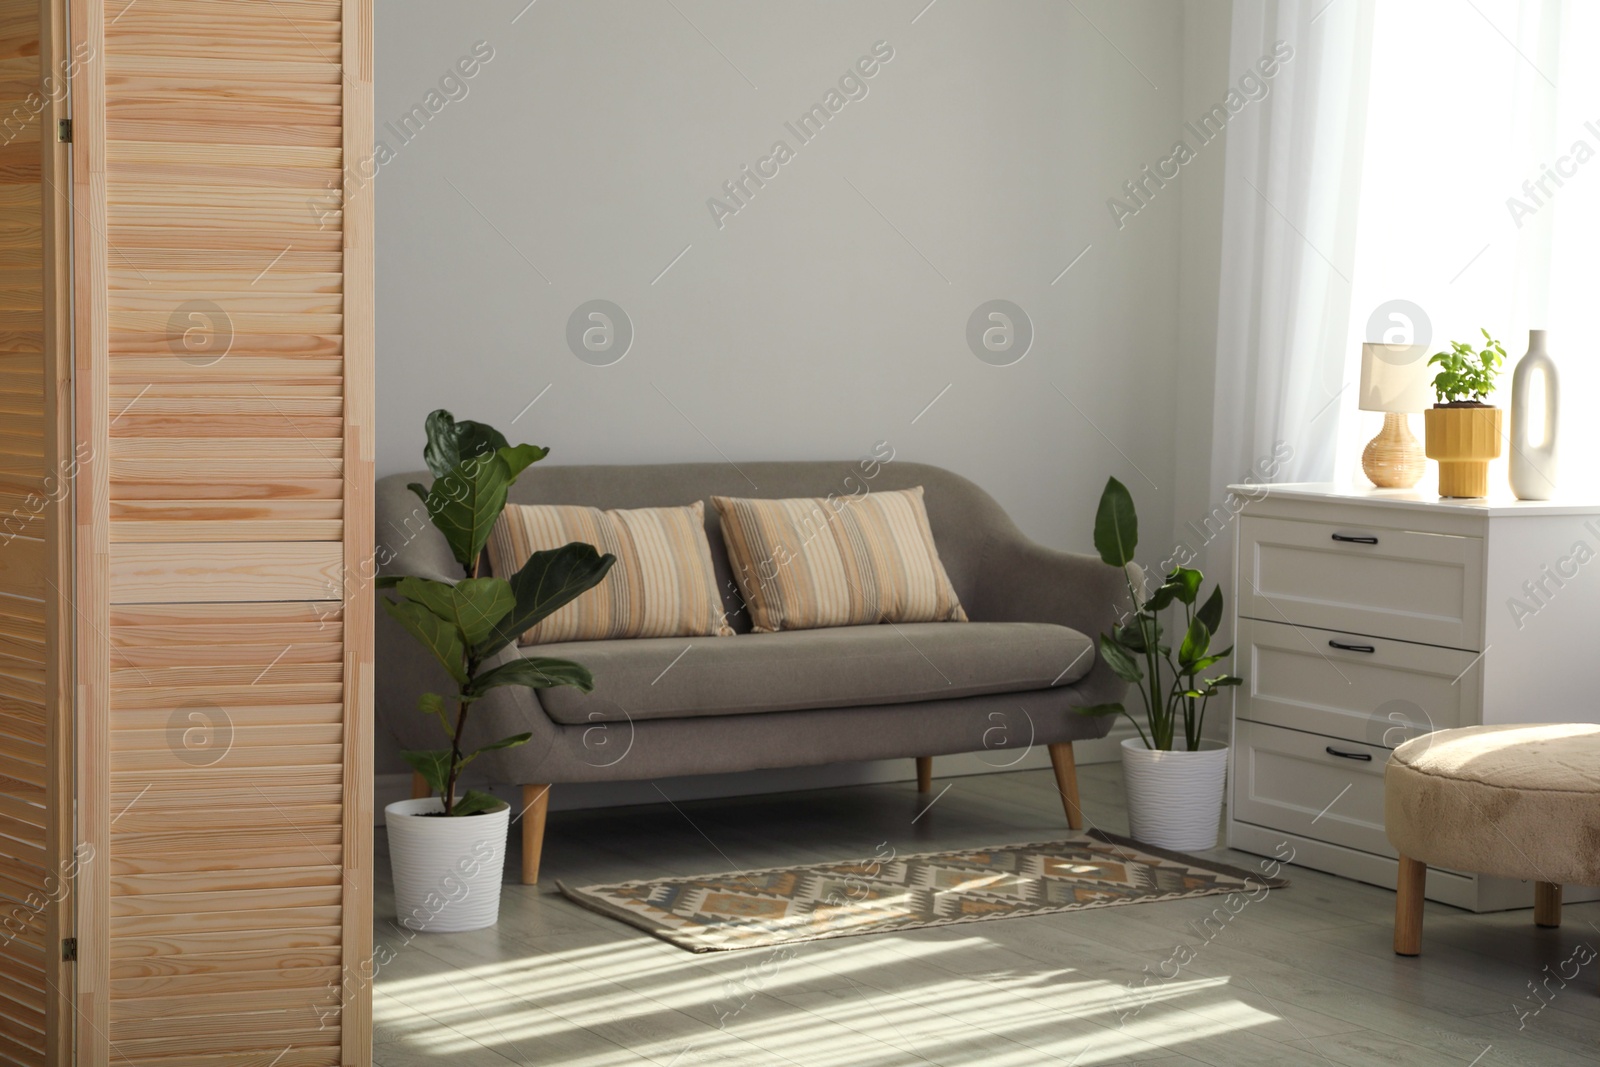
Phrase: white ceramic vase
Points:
(1174, 798)
(447, 872)
(1533, 452)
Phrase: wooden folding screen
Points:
(185, 525)
(36, 877)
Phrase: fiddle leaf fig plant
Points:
(473, 467)
(1139, 650)
(466, 623)
(1467, 376)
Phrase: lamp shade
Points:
(1395, 378)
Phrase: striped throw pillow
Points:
(662, 584)
(813, 562)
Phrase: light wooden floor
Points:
(1304, 976)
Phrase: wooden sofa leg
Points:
(1547, 904)
(535, 805)
(1067, 782)
(924, 774)
(420, 789)
(1410, 882)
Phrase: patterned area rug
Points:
(783, 905)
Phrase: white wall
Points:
(830, 310)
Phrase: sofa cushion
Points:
(662, 585)
(813, 562)
(846, 666)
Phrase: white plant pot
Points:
(447, 872)
(1174, 798)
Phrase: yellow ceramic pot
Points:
(1463, 440)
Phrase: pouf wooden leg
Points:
(1410, 882)
(924, 774)
(1547, 904)
(420, 789)
(1067, 782)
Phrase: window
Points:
(1480, 199)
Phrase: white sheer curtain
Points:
(1293, 179)
(1480, 199)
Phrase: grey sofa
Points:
(673, 706)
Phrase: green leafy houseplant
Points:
(1466, 377)
(465, 623)
(1139, 649)
(1463, 431)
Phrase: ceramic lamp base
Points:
(1394, 459)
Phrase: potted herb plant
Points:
(448, 850)
(1174, 793)
(1463, 431)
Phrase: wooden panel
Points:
(225, 388)
(35, 733)
(178, 572)
(25, 564)
(92, 407)
(359, 535)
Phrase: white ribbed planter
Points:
(447, 872)
(1174, 798)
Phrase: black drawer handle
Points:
(1364, 757)
(1347, 539)
(1341, 646)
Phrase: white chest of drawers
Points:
(1365, 618)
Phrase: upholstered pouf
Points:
(1514, 801)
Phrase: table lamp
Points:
(1395, 381)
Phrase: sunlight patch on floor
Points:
(774, 1001)
(586, 982)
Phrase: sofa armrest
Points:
(406, 540)
(1022, 581)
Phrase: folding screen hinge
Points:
(64, 131)
(69, 949)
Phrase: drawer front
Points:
(1402, 584)
(1327, 682)
(1290, 781)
